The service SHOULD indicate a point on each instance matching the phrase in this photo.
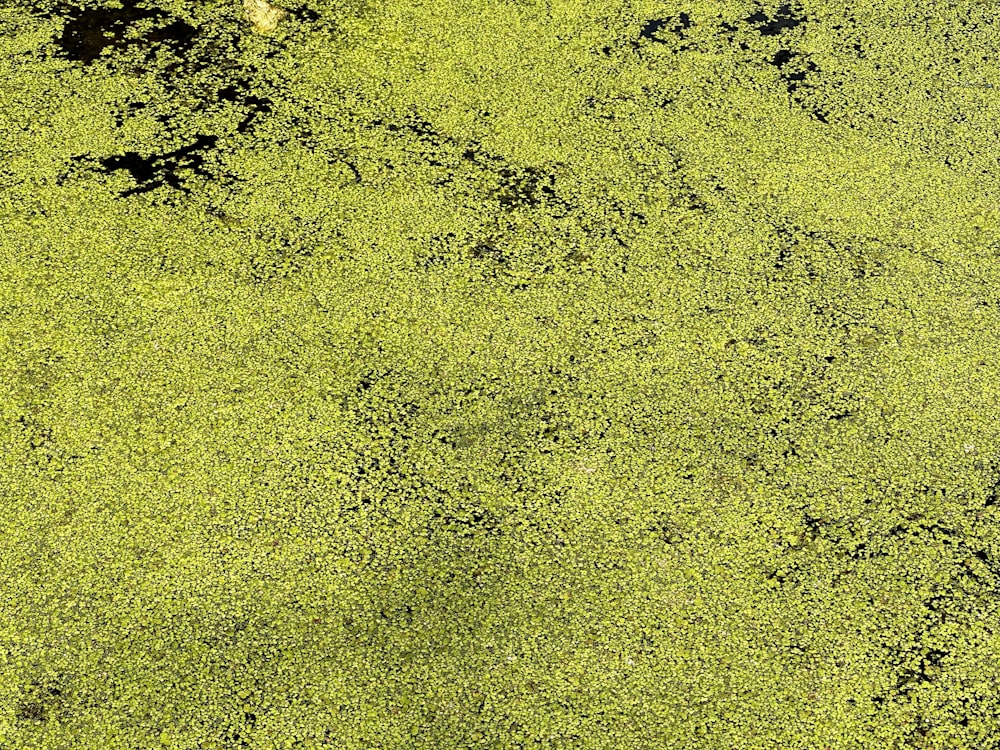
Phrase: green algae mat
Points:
(546, 374)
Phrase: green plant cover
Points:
(529, 374)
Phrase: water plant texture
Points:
(499, 374)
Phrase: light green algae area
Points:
(494, 390)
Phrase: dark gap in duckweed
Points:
(783, 18)
(651, 28)
(257, 105)
(686, 197)
(917, 665)
(467, 522)
(303, 133)
(47, 699)
(89, 31)
(524, 187)
(664, 528)
(517, 187)
(791, 77)
(237, 738)
(800, 89)
(844, 536)
(993, 494)
(46, 456)
(437, 255)
(151, 172)
(512, 188)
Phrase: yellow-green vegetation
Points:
(531, 374)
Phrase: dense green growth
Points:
(557, 374)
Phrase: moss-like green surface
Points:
(439, 374)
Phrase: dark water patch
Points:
(157, 170)
(799, 73)
(993, 487)
(817, 255)
(48, 699)
(465, 520)
(204, 65)
(510, 186)
(486, 254)
(683, 194)
(665, 529)
(255, 104)
(783, 18)
(784, 59)
(417, 126)
(489, 253)
(908, 678)
(425, 142)
(525, 186)
(439, 252)
(651, 29)
(305, 14)
(795, 67)
(89, 31)
(45, 454)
